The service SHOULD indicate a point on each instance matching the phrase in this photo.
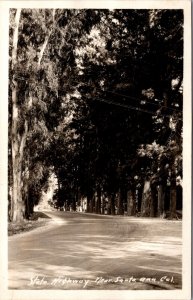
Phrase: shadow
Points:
(38, 214)
(87, 249)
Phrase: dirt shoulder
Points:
(37, 220)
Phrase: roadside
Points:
(40, 219)
(37, 220)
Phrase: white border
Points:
(183, 294)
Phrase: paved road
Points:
(82, 251)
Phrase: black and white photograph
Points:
(96, 198)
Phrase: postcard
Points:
(95, 150)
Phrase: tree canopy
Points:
(96, 97)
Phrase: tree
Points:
(98, 84)
(135, 73)
(42, 60)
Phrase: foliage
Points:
(101, 94)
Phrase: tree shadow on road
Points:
(148, 255)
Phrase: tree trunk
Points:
(18, 204)
(74, 203)
(28, 207)
(131, 207)
(154, 202)
(18, 141)
(46, 40)
(161, 201)
(146, 200)
(98, 201)
(108, 207)
(92, 204)
(173, 198)
(10, 204)
(112, 204)
(88, 209)
(18, 145)
(95, 207)
(120, 209)
(103, 204)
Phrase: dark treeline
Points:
(96, 98)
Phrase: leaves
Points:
(101, 91)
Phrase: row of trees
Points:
(96, 98)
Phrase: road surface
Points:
(84, 251)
